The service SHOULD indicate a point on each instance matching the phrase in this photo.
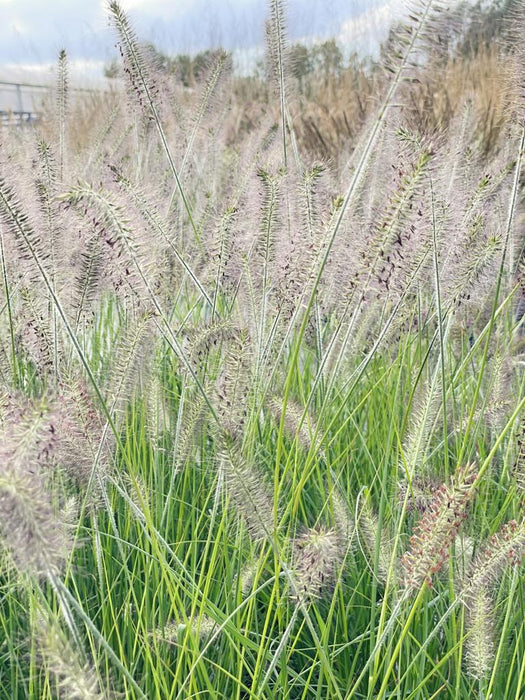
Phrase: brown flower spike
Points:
(437, 529)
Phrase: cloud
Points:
(33, 31)
(365, 32)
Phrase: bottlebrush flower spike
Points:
(76, 678)
(247, 489)
(29, 521)
(344, 523)
(421, 493)
(372, 537)
(479, 644)
(437, 529)
(316, 557)
(80, 427)
(173, 632)
(30, 528)
(234, 385)
(518, 468)
(504, 547)
(296, 424)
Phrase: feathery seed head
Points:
(77, 679)
(437, 529)
(518, 467)
(234, 385)
(247, 489)
(30, 526)
(419, 494)
(344, 523)
(201, 627)
(247, 576)
(29, 522)
(371, 537)
(479, 627)
(296, 424)
(504, 547)
(316, 556)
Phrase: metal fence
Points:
(21, 103)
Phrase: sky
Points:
(33, 31)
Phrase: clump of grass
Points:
(236, 375)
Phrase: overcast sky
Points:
(33, 31)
